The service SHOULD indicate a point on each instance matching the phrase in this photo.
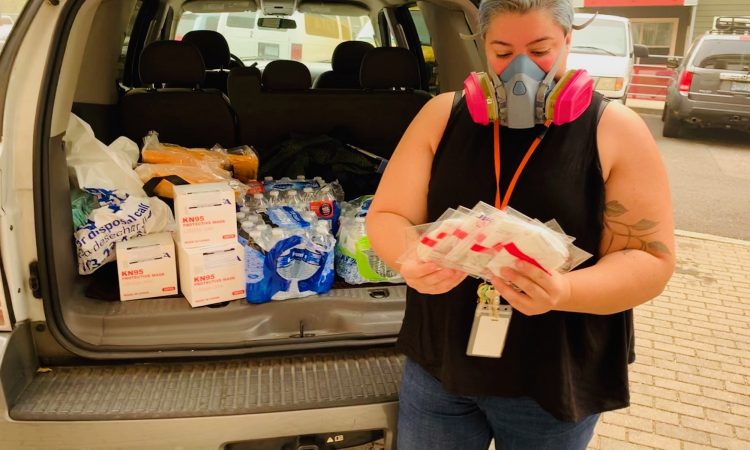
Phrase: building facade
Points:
(667, 27)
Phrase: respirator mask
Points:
(524, 96)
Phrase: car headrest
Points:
(213, 47)
(172, 62)
(389, 67)
(286, 75)
(347, 56)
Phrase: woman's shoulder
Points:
(431, 121)
(441, 103)
(620, 133)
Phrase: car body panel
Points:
(719, 91)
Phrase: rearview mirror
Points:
(641, 51)
(673, 62)
(277, 23)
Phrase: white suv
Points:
(80, 371)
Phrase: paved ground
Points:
(690, 385)
(646, 106)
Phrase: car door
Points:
(11, 268)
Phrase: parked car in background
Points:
(605, 49)
(711, 86)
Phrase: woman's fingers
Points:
(429, 278)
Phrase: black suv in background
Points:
(711, 87)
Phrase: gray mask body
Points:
(521, 92)
(521, 81)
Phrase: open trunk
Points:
(85, 314)
(110, 329)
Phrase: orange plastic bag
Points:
(155, 152)
(244, 163)
(240, 162)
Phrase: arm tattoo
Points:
(635, 236)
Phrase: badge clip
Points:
(491, 323)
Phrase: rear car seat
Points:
(345, 64)
(188, 116)
(390, 68)
(279, 105)
(286, 75)
(216, 58)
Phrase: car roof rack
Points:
(731, 25)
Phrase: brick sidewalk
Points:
(690, 385)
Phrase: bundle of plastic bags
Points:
(482, 240)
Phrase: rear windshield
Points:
(607, 37)
(723, 55)
(312, 41)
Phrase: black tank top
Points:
(572, 364)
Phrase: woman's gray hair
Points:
(561, 11)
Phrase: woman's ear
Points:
(568, 40)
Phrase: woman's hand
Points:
(538, 292)
(429, 278)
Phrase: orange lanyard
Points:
(521, 166)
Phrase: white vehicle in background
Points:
(605, 49)
(312, 40)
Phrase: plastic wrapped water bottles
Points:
(290, 258)
(356, 262)
(326, 206)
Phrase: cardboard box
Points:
(146, 267)
(205, 214)
(212, 274)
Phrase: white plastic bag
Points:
(91, 164)
(119, 218)
(125, 210)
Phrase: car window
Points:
(311, 42)
(126, 39)
(239, 20)
(425, 43)
(601, 37)
(8, 14)
(724, 54)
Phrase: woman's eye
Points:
(503, 55)
(540, 52)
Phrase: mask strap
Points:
(500, 96)
(546, 83)
(506, 198)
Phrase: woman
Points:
(571, 335)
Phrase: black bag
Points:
(323, 156)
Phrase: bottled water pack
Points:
(356, 262)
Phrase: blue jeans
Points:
(431, 418)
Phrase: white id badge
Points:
(489, 330)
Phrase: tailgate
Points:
(728, 87)
(196, 389)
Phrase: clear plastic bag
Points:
(482, 240)
(156, 152)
